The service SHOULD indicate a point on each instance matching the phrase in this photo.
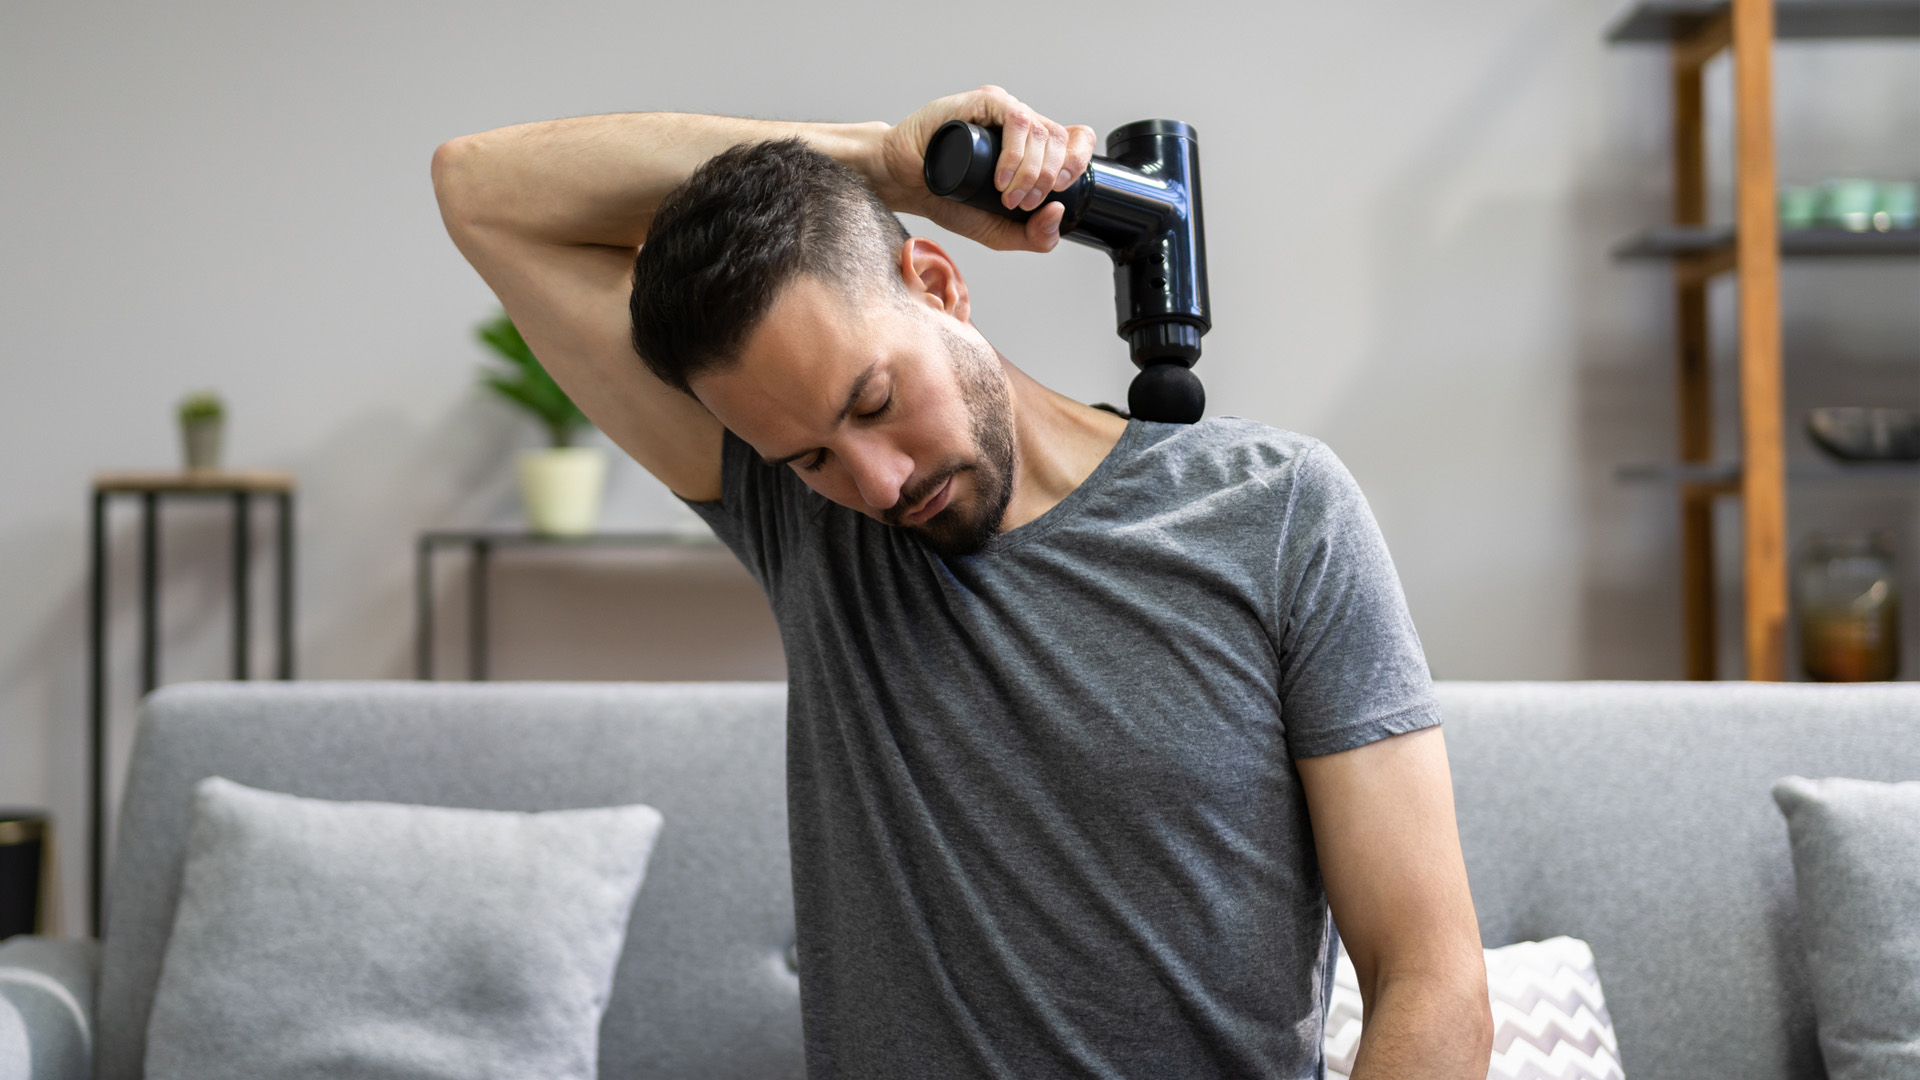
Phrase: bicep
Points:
(1389, 851)
(570, 302)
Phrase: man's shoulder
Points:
(1230, 448)
(1300, 485)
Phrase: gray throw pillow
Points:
(1856, 867)
(327, 939)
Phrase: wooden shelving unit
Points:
(1695, 31)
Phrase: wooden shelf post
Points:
(1697, 584)
(1763, 488)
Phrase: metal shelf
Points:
(523, 537)
(1726, 474)
(1680, 241)
(481, 543)
(1804, 20)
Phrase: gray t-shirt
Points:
(1044, 815)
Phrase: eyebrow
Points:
(860, 384)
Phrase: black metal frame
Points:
(242, 499)
(480, 545)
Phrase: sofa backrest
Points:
(703, 990)
(1635, 816)
(1638, 816)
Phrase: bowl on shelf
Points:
(1852, 433)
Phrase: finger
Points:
(1043, 228)
(1055, 167)
(1079, 153)
(1042, 153)
(989, 230)
(1026, 190)
(1014, 131)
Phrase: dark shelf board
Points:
(1794, 20)
(1727, 473)
(1673, 241)
(522, 537)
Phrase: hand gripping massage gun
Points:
(1140, 205)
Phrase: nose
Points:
(880, 473)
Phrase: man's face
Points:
(889, 408)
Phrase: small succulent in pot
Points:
(202, 420)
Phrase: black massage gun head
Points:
(1141, 205)
(1168, 392)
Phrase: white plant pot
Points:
(201, 441)
(561, 488)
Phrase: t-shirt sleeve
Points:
(759, 513)
(1351, 668)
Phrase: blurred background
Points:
(1410, 208)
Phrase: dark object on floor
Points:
(1860, 434)
(1140, 205)
(23, 851)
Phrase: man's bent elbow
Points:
(1476, 1008)
(453, 180)
(1483, 1026)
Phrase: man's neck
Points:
(1058, 443)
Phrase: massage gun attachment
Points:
(1140, 205)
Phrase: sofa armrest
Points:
(46, 1008)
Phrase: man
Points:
(1090, 719)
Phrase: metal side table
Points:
(238, 487)
(480, 545)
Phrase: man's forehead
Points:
(797, 372)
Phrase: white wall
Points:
(1410, 206)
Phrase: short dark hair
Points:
(726, 241)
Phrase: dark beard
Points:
(964, 530)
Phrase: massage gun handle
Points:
(960, 163)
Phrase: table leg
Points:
(423, 610)
(97, 709)
(477, 611)
(149, 592)
(286, 585)
(242, 579)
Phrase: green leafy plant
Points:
(204, 407)
(525, 383)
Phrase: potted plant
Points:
(202, 419)
(560, 485)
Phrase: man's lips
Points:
(934, 504)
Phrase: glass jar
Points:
(1849, 603)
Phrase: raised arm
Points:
(551, 214)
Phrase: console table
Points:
(239, 487)
(481, 545)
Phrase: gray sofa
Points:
(1635, 816)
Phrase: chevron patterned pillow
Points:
(1549, 1018)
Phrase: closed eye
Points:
(819, 457)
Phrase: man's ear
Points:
(932, 279)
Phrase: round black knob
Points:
(1167, 393)
(960, 160)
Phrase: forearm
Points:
(1430, 1027)
(599, 179)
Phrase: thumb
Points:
(989, 230)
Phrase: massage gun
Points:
(1140, 205)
